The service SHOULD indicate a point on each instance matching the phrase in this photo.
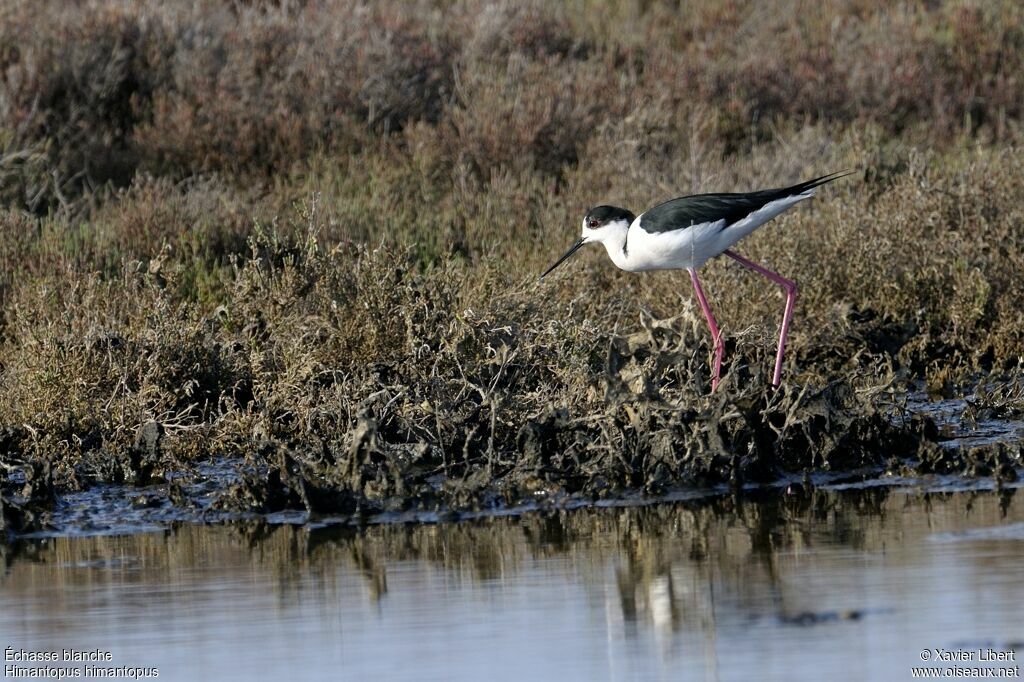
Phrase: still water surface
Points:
(838, 584)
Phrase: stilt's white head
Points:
(602, 224)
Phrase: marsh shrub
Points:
(531, 115)
(257, 92)
(497, 30)
(74, 83)
(102, 90)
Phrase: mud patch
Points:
(980, 435)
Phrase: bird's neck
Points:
(614, 240)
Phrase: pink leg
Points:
(787, 316)
(715, 333)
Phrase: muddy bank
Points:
(640, 448)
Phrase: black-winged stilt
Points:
(684, 233)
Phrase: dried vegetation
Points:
(306, 236)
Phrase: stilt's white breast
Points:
(684, 248)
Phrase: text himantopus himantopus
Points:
(684, 233)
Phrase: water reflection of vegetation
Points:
(672, 567)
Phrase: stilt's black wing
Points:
(729, 206)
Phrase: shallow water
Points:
(848, 583)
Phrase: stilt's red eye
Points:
(593, 223)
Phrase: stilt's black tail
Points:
(802, 187)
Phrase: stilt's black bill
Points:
(568, 253)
